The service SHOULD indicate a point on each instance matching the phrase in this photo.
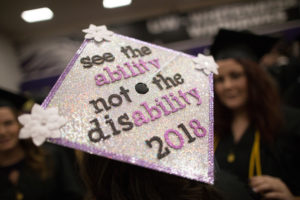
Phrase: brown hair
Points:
(35, 157)
(112, 180)
(263, 104)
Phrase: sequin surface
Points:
(77, 87)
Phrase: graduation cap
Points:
(132, 101)
(241, 44)
(10, 99)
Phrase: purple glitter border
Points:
(211, 130)
(128, 159)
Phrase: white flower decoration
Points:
(206, 64)
(41, 124)
(98, 33)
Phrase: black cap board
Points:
(11, 99)
(241, 44)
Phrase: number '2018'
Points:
(199, 131)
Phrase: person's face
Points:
(231, 84)
(9, 129)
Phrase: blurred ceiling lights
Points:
(37, 15)
(115, 3)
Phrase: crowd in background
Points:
(257, 137)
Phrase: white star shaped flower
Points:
(98, 33)
(41, 124)
(206, 64)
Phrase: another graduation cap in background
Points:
(132, 101)
(14, 100)
(240, 45)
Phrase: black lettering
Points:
(160, 154)
(112, 125)
(98, 60)
(187, 133)
(108, 57)
(116, 103)
(146, 50)
(125, 51)
(157, 83)
(178, 79)
(86, 61)
(95, 104)
(125, 93)
(167, 80)
(123, 121)
(96, 131)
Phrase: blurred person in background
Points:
(27, 171)
(255, 138)
(284, 66)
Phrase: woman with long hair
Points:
(248, 125)
(28, 171)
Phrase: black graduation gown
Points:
(62, 184)
(242, 151)
(273, 161)
(288, 146)
(287, 78)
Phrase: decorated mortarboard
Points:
(132, 101)
(241, 45)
